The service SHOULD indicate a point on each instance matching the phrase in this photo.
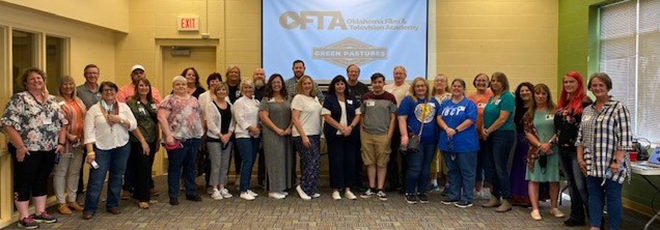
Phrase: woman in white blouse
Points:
(220, 123)
(246, 114)
(106, 127)
(306, 118)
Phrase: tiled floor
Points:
(322, 213)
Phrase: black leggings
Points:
(141, 165)
(31, 175)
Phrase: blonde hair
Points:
(217, 88)
(299, 89)
(65, 80)
(433, 92)
(411, 91)
(179, 78)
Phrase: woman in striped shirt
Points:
(603, 143)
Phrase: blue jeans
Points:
(419, 164)
(183, 159)
(461, 174)
(113, 161)
(598, 195)
(498, 148)
(481, 163)
(577, 187)
(248, 148)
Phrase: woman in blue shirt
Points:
(342, 114)
(459, 142)
(417, 109)
(499, 133)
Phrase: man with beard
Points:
(298, 72)
(259, 80)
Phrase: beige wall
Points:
(110, 14)
(517, 37)
(87, 44)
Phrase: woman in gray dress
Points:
(275, 114)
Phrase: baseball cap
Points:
(136, 67)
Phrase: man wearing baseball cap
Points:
(126, 92)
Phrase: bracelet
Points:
(92, 153)
(60, 143)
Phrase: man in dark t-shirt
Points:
(356, 87)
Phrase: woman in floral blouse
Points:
(180, 117)
(33, 123)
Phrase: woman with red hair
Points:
(567, 120)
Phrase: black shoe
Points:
(44, 217)
(572, 223)
(174, 201)
(28, 223)
(381, 195)
(447, 201)
(195, 198)
(463, 204)
(411, 199)
(423, 198)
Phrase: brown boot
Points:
(493, 202)
(64, 210)
(153, 192)
(74, 206)
(504, 207)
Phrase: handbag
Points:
(174, 146)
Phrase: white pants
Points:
(67, 173)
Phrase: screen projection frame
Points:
(364, 77)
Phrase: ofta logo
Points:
(292, 20)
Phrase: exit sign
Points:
(188, 23)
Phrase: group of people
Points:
(404, 132)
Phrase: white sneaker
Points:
(216, 195)
(316, 195)
(335, 195)
(246, 196)
(225, 193)
(254, 194)
(285, 193)
(302, 194)
(349, 195)
(276, 195)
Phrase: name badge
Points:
(45, 120)
(371, 103)
(350, 102)
(61, 103)
(481, 105)
(586, 118)
(153, 106)
(141, 110)
(498, 101)
(238, 93)
(550, 117)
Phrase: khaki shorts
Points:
(375, 149)
(438, 164)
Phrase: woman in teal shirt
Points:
(499, 133)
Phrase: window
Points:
(630, 55)
(24, 55)
(55, 60)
